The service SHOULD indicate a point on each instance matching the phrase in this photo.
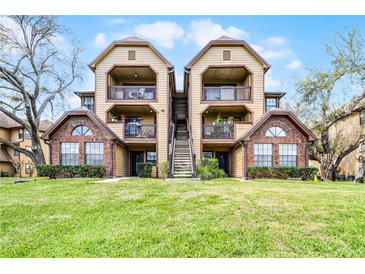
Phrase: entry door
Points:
(222, 160)
(136, 157)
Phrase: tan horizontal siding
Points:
(213, 56)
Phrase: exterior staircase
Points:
(182, 157)
(182, 162)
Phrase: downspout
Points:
(170, 71)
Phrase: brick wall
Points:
(63, 134)
(293, 136)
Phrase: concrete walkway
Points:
(113, 180)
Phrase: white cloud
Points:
(164, 33)
(100, 40)
(271, 83)
(258, 48)
(117, 21)
(294, 65)
(276, 54)
(204, 30)
(275, 41)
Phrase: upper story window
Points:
(27, 135)
(271, 103)
(362, 117)
(131, 55)
(89, 102)
(226, 55)
(20, 134)
(81, 131)
(275, 132)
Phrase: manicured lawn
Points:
(154, 218)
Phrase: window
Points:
(271, 103)
(133, 126)
(207, 154)
(226, 55)
(131, 55)
(275, 132)
(69, 154)
(27, 135)
(20, 134)
(94, 153)
(28, 168)
(89, 102)
(288, 155)
(81, 131)
(151, 157)
(362, 117)
(262, 154)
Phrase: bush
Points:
(209, 169)
(61, 171)
(163, 168)
(305, 173)
(144, 170)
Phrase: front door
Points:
(222, 157)
(136, 157)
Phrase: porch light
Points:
(136, 75)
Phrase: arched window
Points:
(81, 131)
(275, 132)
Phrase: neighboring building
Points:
(13, 163)
(347, 131)
(136, 115)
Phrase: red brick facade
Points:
(293, 136)
(64, 134)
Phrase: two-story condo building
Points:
(13, 163)
(136, 115)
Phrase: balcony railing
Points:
(218, 131)
(132, 92)
(242, 93)
(140, 131)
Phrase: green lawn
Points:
(154, 218)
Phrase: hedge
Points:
(305, 173)
(144, 170)
(62, 171)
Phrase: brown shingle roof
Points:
(7, 122)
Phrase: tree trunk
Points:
(38, 155)
(333, 172)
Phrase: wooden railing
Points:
(225, 93)
(218, 131)
(140, 131)
(131, 92)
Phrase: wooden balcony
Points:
(131, 93)
(140, 131)
(226, 93)
(218, 131)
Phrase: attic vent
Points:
(226, 55)
(131, 55)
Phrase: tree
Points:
(327, 96)
(36, 73)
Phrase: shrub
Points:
(305, 173)
(209, 169)
(144, 170)
(163, 168)
(61, 171)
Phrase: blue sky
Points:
(289, 43)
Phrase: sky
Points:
(291, 44)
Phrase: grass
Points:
(154, 218)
